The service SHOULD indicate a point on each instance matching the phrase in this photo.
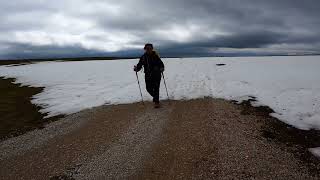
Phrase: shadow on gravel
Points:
(297, 141)
(68, 175)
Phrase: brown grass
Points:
(17, 114)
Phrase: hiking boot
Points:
(156, 105)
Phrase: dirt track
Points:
(198, 139)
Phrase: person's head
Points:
(148, 48)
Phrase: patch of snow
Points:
(288, 85)
(315, 151)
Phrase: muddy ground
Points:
(17, 114)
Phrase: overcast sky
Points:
(57, 28)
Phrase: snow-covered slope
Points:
(289, 85)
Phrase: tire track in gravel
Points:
(126, 156)
(60, 148)
(212, 139)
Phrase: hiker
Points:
(153, 67)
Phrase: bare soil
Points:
(17, 114)
(196, 139)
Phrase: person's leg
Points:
(156, 87)
(149, 84)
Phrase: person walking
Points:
(153, 68)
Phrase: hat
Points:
(148, 44)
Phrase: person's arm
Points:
(161, 65)
(138, 67)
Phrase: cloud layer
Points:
(43, 28)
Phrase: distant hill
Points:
(28, 61)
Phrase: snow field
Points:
(288, 85)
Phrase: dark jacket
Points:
(151, 62)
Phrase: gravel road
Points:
(196, 139)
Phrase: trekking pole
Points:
(165, 84)
(139, 87)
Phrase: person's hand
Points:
(161, 69)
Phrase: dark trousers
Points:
(153, 85)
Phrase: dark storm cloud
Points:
(27, 51)
(180, 27)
